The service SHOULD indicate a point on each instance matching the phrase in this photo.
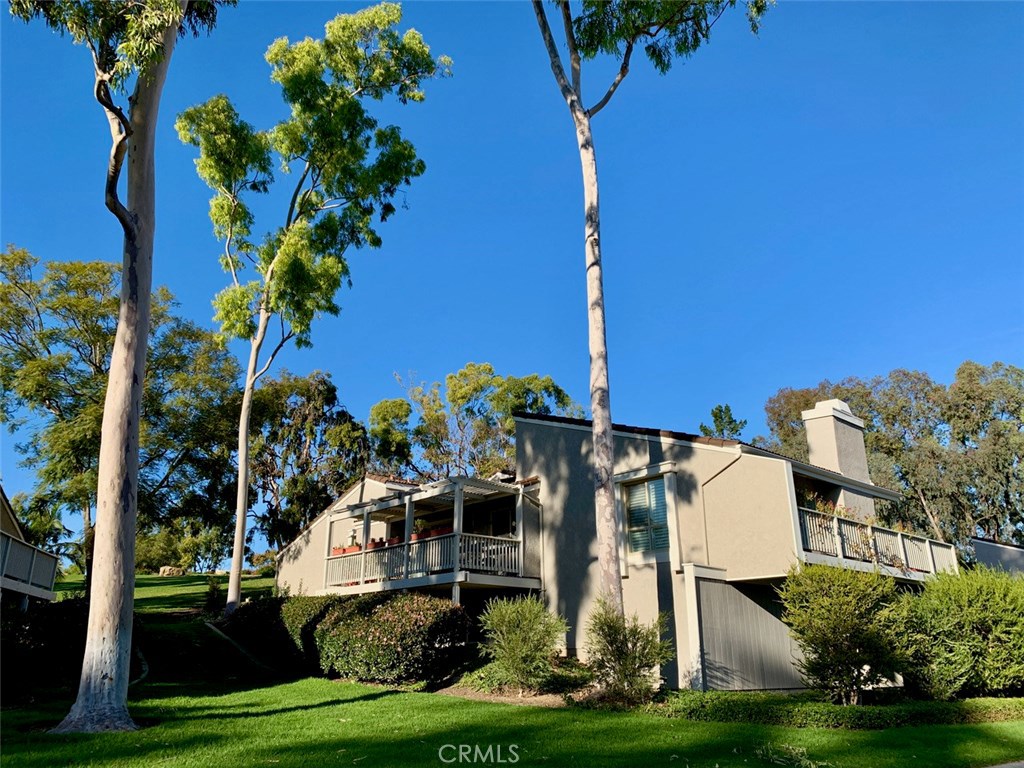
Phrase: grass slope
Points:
(203, 705)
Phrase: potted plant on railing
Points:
(419, 530)
(335, 551)
(351, 548)
(375, 543)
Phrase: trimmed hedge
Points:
(393, 639)
(257, 626)
(804, 711)
(301, 615)
(964, 635)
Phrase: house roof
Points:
(801, 467)
(718, 442)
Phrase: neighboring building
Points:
(709, 528)
(27, 571)
(994, 554)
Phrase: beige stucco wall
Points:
(560, 457)
(300, 566)
(750, 525)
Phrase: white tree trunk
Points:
(242, 496)
(600, 404)
(102, 703)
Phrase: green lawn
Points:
(204, 705)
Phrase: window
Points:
(647, 516)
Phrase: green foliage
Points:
(349, 168)
(264, 563)
(665, 30)
(467, 430)
(953, 451)
(54, 358)
(964, 635)
(842, 620)
(808, 711)
(306, 450)
(521, 637)
(203, 548)
(625, 654)
(127, 37)
(156, 548)
(301, 614)
(724, 425)
(409, 637)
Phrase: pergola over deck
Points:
(447, 555)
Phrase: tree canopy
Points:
(954, 451)
(466, 428)
(307, 448)
(723, 424)
(56, 339)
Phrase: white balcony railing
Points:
(852, 540)
(437, 554)
(25, 564)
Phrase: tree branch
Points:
(623, 71)
(295, 196)
(574, 52)
(556, 62)
(285, 338)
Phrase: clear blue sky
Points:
(842, 195)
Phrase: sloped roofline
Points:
(800, 467)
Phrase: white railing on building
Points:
(24, 563)
(847, 539)
(437, 554)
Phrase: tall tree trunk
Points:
(600, 403)
(242, 496)
(102, 703)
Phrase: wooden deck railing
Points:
(846, 539)
(26, 564)
(437, 554)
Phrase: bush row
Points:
(960, 635)
(401, 638)
(375, 638)
(802, 711)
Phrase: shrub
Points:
(843, 622)
(257, 625)
(403, 638)
(301, 614)
(42, 648)
(807, 710)
(521, 638)
(625, 653)
(964, 635)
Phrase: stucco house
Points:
(709, 528)
(27, 571)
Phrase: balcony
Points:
(839, 541)
(420, 559)
(27, 569)
(458, 532)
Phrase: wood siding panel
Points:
(746, 646)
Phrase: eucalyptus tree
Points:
(307, 449)
(466, 430)
(347, 170)
(131, 45)
(954, 452)
(57, 329)
(665, 30)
